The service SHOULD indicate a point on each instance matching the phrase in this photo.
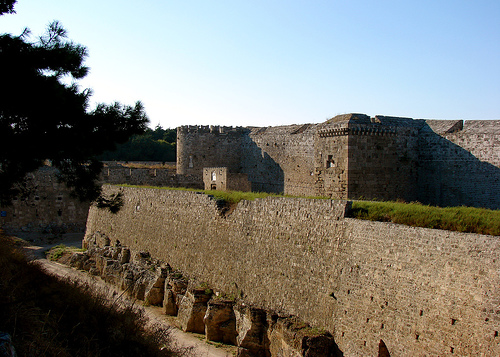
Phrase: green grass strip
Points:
(461, 219)
(228, 196)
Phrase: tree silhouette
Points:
(7, 6)
(42, 117)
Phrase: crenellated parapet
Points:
(356, 155)
(202, 146)
(358, 130)
(209, 129)
(361, 124)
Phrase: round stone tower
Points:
(208, 146)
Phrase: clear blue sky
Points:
(277, 62)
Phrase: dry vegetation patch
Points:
(61, 253)
(49, 317)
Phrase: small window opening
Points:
(330, 162)
(59, 212)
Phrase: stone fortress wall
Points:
(48, 208)
(218, 178)
(461, 165)
(51, 209)
(115, 173)
(421, 291)
(440, 162)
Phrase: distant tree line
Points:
(154, 145)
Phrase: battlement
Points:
(355, 155)
(442, 126)
(357, 130)
(363, 119)
(482, 126)
(359, 118)
(209, 129)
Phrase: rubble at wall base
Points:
(257, 332)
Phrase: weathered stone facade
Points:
(218, 178)
(50, 208)
(416, 291)
(47, 208)
(256, 332)
(118, 174)
(354, 156)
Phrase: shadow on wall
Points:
(449, 175)
(382, 350)
(264, 173)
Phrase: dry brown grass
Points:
(48, 317)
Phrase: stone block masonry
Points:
(47, 208)
(352, 156)
(218, 178)
(50, 208)
(149, 176)
(460, 165)
(419, 291)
